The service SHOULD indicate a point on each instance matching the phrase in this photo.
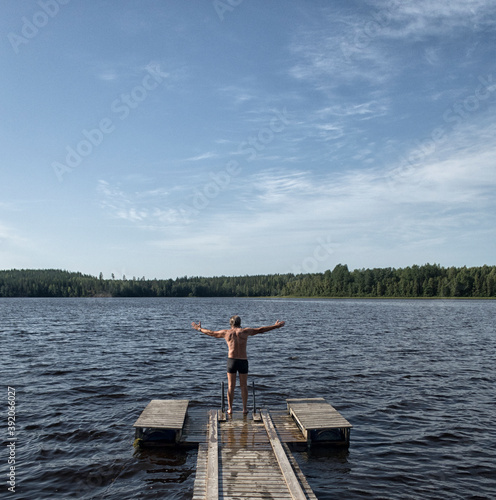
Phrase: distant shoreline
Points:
(416, 282)
(274, 297)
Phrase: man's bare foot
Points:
(229, 412)
(245, 412)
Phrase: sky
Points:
(162, 139)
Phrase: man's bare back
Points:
(237, 339)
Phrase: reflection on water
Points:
(415, 378)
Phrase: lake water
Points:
(415, 378)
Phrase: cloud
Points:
(204, 156)
(7, 234)
(332, 58)
(238, 95)
(363, 49)
(461, 164)
(448, 189)
(362, 109)
(107, 75)
(343, 118)
(127, 71)
(424, 18)
(146, 209)
(11, 242)
(453, 183)
(386, 211)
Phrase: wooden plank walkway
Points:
(319, 421)
(251, 463)
(290, 478)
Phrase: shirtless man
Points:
(237, 359)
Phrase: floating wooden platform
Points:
(319, 422)
(240, 456)
(162, 420)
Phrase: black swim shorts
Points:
(237, 365)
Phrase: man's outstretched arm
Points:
(263, 329)
(213, 333)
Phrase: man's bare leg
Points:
(231, 384)
(243, 382)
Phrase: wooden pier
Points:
(244, 458)
(241, 456)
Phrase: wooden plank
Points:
(248, 467)
(303, 480)
(199, 487)
(212, 486)
(292, 483)
(163, 414)
(287, 429)
(195, 427)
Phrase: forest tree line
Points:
(415, 281)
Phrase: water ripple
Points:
(415, 378)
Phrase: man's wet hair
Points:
(235, 321)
